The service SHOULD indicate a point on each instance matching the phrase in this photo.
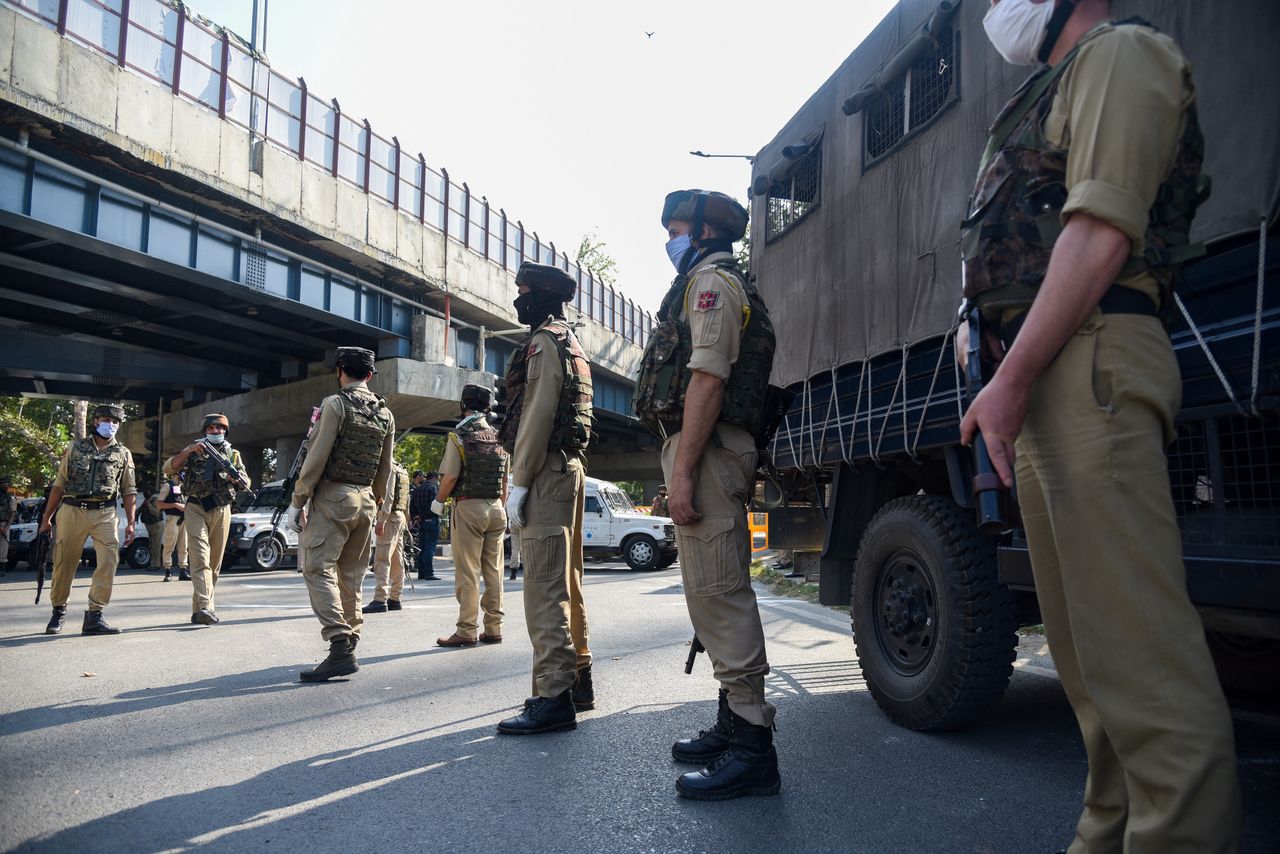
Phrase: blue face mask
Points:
(677, 247)
(107, 429)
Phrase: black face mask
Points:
(532, 308)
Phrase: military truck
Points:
(856, 207)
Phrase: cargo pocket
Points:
(544, 550)
(736, 470)
(709, 557)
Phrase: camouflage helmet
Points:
(215, 418)
(476, 398)
(717, 210)
(108, 410)
(544, 277)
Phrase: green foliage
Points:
(33, 434)
(743, 253)
(593, 255)
(634, 490)
(420, 451)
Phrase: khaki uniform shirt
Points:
(127, 485)
(322, 439)
(716, 308)
(1120, 111)
(544, 380)
(452, 462)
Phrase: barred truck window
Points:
(913, 101)
(792, 199)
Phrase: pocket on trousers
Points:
(709, 557)
(545, 551)
(736, 470)
(563, 487)
(1103, 362)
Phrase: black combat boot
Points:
(56, 621)
(542, 714)
(584, 692)
(394, 605)
(748, 767)
(341, 661)
(183, 574)
(168, 575)
(95, 625)
(374, 607)
(709, 743)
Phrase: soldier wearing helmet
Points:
(702, 384)
(474, 474)
(345, 478)
(548, 425)
(211, 491)
(94, 474)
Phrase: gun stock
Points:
(989, 493)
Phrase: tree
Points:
(593, 255)
(420, 451)
(33, 434)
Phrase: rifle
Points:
(39, 556)
(989, 493)
(223, 463)
(694, 648)
(286, 493)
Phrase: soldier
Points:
(1083, 400)
(388, 550)
(8, 512)
(345, 479)
(660, 507)
(149, 514)
(549, 423)
(94, 473)
(173, 505)
(702, 386)
(211, 489)
(474, 474)
(427, 521)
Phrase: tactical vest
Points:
(93, 473)
(484, 463)
(658, 400)
(1015, 212)
(574, 417)
(358, 449)
(205, 482)
(400, 496)
(175, 497)
(6, 507)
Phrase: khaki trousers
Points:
(551, 542)
(478, 526)
(155, 541)
(388, 560)
(336, 539)
(175, 536)
(206, 535)
(72, 526)
(715, 564)
(1094, 490)
(4, 546)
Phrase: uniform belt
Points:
(1117, 300)
(89, 504)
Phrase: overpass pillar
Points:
(251, 455)
(286, 450)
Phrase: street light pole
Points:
(750, 158)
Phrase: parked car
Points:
(613, 527)
(251, 537)
(137, 554)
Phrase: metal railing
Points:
(210, 65)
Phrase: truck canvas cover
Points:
(873, 266)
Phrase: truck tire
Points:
(138, 554)
(1248, 668)
(935, 631)
(641, 552)
(266, 554)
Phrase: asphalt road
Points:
(172, 737)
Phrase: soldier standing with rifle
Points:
(703, 386)
(212, 471)
(1080, 219)
(388, 550)
(549, 423)
(344, 476)
(95, 472)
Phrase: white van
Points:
(612, 527)
(137, 554)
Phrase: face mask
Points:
(677, 248)
(215, 438)
(107, 429)
(1017, 29)
(533, 308)
(467, 420)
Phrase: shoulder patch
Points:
(534, 349)
(707, 300)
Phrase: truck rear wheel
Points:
(935, 631)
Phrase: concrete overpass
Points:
(183, 226)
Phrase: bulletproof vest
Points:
(94, 473)
(148, 513)
(658, 400)
(358, 449)
(400, 497)
(6, 507)
(1015, 212)
(204, 479)
(175, 496)
(574, 417)
(484, 463)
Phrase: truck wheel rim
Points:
(906, 612)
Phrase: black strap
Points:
(1053, 30)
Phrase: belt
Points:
(1117, 300)
(88, 504)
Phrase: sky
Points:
(564, 112)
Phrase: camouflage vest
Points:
(203, 479)
(484, 463)
(664, 369)
(6, 507)
(93, 473)
(400, 492)
(574, 417)
(358, 449)
(1015, 212)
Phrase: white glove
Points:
(515, 506)
(292, 519)
(437, 508)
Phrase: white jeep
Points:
(251, 535)
(612, 526)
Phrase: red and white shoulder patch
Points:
(534, 349)
(707, 300)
